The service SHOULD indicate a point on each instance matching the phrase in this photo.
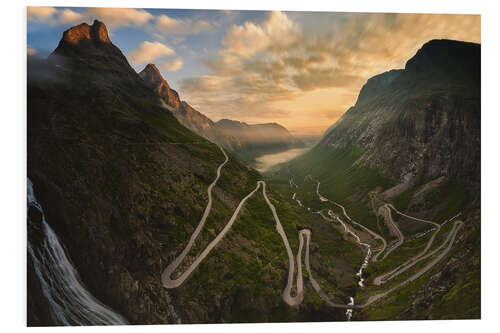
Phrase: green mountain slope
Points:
(411, 139)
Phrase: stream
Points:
(69, 301)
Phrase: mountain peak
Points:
(90, 46)
(85, 33)
(448, 56)
(151, 74)
(153, 78)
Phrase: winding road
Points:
(392, 226)
(371, 232)
(409, 263)
(169, 282)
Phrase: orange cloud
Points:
(53, 15)
(114, 17)
(40, 13)
(173, 65)
(149, 51)
(168, 25)
(118, 17)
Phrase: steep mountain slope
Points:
(185, 114)
(412, 139)
(152, 76)
(258, 139)
(420, 122)
(123, 184)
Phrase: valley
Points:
(156, 211)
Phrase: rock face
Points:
(152, 76)
(185, 114)
(89, 47)
(84, 33)
(376, 85)
(422, 122)
(260, 138)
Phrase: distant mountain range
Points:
(187, 115)
(257, 139)
(247, 141)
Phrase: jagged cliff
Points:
(152, 76)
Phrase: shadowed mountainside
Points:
(185, 114)
(123, 184)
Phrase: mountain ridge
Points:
(257, 139)
(185, 113)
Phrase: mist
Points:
(265, 162)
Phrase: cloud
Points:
(277, 33)
(36, 13)
(119, 17)
(112, 17)
(173, 65)
(31, 51)
(149, 51)
(67, 16)
(205, 84)
(300, 76)
(316, 78)
(54, 16)
(169, 25)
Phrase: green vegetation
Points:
(455, 196)
(463, 301)
(341, 180)
(402, 201)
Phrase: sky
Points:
(302, 70)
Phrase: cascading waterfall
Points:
(70, 303)
(348, 312)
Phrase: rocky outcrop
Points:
(376, 85)
(152, 76)
(96, 33)
(185, 114)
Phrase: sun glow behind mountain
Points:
(300, 69)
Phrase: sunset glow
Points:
(300, 69)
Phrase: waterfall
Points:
(70, 303)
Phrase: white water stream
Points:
(70, 303)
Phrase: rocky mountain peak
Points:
(454, 58)
(153, 78)
(90, 45)
(95, 33)
(151, 74)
